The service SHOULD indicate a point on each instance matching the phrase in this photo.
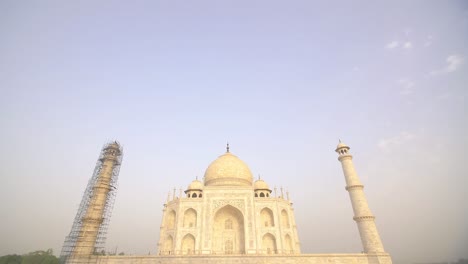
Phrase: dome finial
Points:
(227, 147)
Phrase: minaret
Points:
(362, 215)
(90, 225)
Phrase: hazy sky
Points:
(282, 81)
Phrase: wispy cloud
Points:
(407, 31)
(402, 42)
(453, 62)
(395, 44)
(408, 45)
(397, 140)
(444, 96)
(406, 85)
(392, 45)
(428, 41)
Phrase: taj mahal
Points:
(228, 213)
(228, 217)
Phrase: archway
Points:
(167, 246)
(188, 244)
(288, 245)
(267, 217)
(190, 218)
(284, 219)
(269, 244)
(228, 231)
(170, 220)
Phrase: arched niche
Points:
(167, 246)
(288, 244)
(269, 244)
(188, 244)
(284, 219)
(266, 215)
(190, 218)
(170, 219)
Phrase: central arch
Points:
(228, 231)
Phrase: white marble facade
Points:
(228, 213)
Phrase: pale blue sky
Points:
(281, 81)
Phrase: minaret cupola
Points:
(261, 188)
(195, 189)
(342, 149)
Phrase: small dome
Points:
(195, 185)
(228, 170)
(261, 185)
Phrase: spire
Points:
(227, 147)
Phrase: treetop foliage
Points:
(36, 257)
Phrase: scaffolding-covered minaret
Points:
(89, 229)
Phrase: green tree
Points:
(40, 256)
(11, 259)
(36, 257)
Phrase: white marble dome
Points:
(228, 170)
